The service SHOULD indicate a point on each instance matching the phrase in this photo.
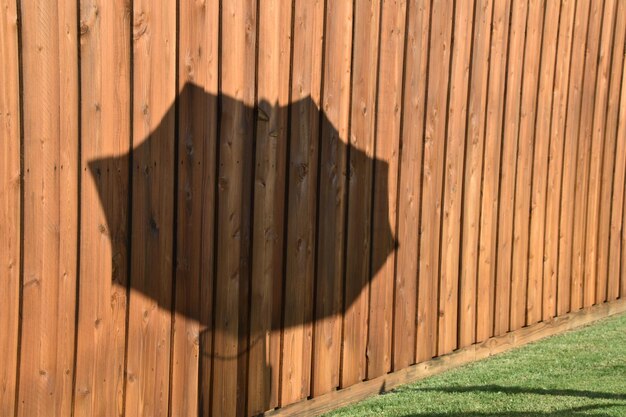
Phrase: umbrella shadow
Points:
(151, 182)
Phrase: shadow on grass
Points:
(568, 412)
(523, 390)
(594, 409)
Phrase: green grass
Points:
(578, 373)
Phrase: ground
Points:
(578, 373)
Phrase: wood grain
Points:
(453, 177)
(488, 276)
(302, 206)
(386, 165)
(332, 196)
(598, 136)
(196, 165)
(621, 133)
(269, 205)
(613, 170)
(475, 295)
(50, 211)
(615, 121)
(152, 239)
(508, 166)
(583, 288)
(538, 289)
(104, 201)
(235, 186)
(410, 180)
(520, 284)
(433, 177)
(10, 205)
(555, 285)
(566, 287)
(360, 187)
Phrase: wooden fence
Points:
(223, 207)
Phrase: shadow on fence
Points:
(147, 228)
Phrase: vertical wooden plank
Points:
(10, 204)
(237, 87)
(384, 214)
(551, 280)
(197, 136)
(269, 204)
(360, 168)
(105, 146)
(433, 176)
(50, 97)
(409, 195)
(523, 182)
(508, 166)
(623, 262)
(598, 136)
(489, 282)
(583, 289)
(622, 291)
(302, 205)
(621, 133)
(566, 284)
(475, 296)
(537, 289)
(615, 122)
(332, 196)
(149, 325)
(453, 176)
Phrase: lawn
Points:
(578, 373)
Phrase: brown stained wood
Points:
(490, 347)
(621, 133)
(50, 151)
(269, 205)
(623, 261)
(332, 197)
(508, 166)
(410, 180)
(616, 120)
(598, 137)
(386, 165)
(538, 290)
(10, 205)
(433, 178)
(490, 285)
(301, 215)
(105, 133)
(475, 308)
(569, 288)
(583, 289)
(492, 141)
(235, 146)
(149, 319)
(553, 283)
(453, 177)
(360, 187)
(197, 136)
(520, 284)
(595, 286)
